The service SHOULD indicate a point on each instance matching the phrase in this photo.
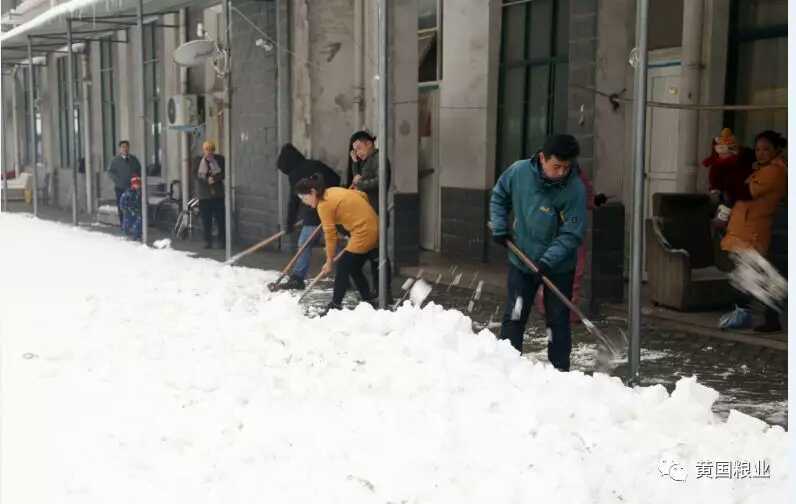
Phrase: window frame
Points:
(553, 62)
(70, 159)
(425, 32)
(736, 36)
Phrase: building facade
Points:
(473, 86)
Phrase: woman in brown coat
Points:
(752, 217)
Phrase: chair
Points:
(18, 185)
(681, 262)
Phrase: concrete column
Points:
(302, 72)
(171, 139)
(72, 137)
(714, 75)
(283, 122)
(464, 166)
(689, 94)
(358, 95)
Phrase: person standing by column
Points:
(210, 191)
(121, 170)
(364, 176)
(549, 204)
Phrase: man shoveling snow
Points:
(195, 387)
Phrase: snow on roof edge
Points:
(48, 15)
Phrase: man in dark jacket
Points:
(548, 201)
(121, 170)
(363, 174)
(292, 163)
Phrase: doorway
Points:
(428, 167)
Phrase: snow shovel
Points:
(272, 286)
(317, 278)
(258, 246)
(586, 322)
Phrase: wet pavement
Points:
(751, 379)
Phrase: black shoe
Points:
(769, 327)
(330, 306)
(293, 283)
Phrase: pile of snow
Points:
(132, 374)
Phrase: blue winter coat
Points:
(549, 217)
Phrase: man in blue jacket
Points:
(548, 202)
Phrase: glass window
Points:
(152, 57)
(65, 118)
(429, 42)
(757, 67)
(540, 29)
(532, 100)
(427, 14)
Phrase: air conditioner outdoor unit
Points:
(182, 111)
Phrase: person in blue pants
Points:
(130, 204)
(296, 166)
(548, 202)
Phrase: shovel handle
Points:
(258, 246)
(586, 322)
(318, 277)
(301, 249)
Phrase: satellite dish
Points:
(195, 52)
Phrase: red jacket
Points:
(729, 175)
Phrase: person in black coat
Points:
(292, 163)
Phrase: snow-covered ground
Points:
(135, 375)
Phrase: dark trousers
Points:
(210, 209)
(746, 300)
(349, 266)
(524, 285)
(373, 258)
(119, 193)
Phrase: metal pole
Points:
(382, 34)
(282, 105)
(5, 190)
(72, 142)
(640, 122)
(228, 130)
(91, 201)
(15, 119)
(185, 169)
(142, 111)
(31, 111)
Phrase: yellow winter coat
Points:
(751, 221)
(351, 209)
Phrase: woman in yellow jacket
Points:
(349, 208)
(753, 216)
